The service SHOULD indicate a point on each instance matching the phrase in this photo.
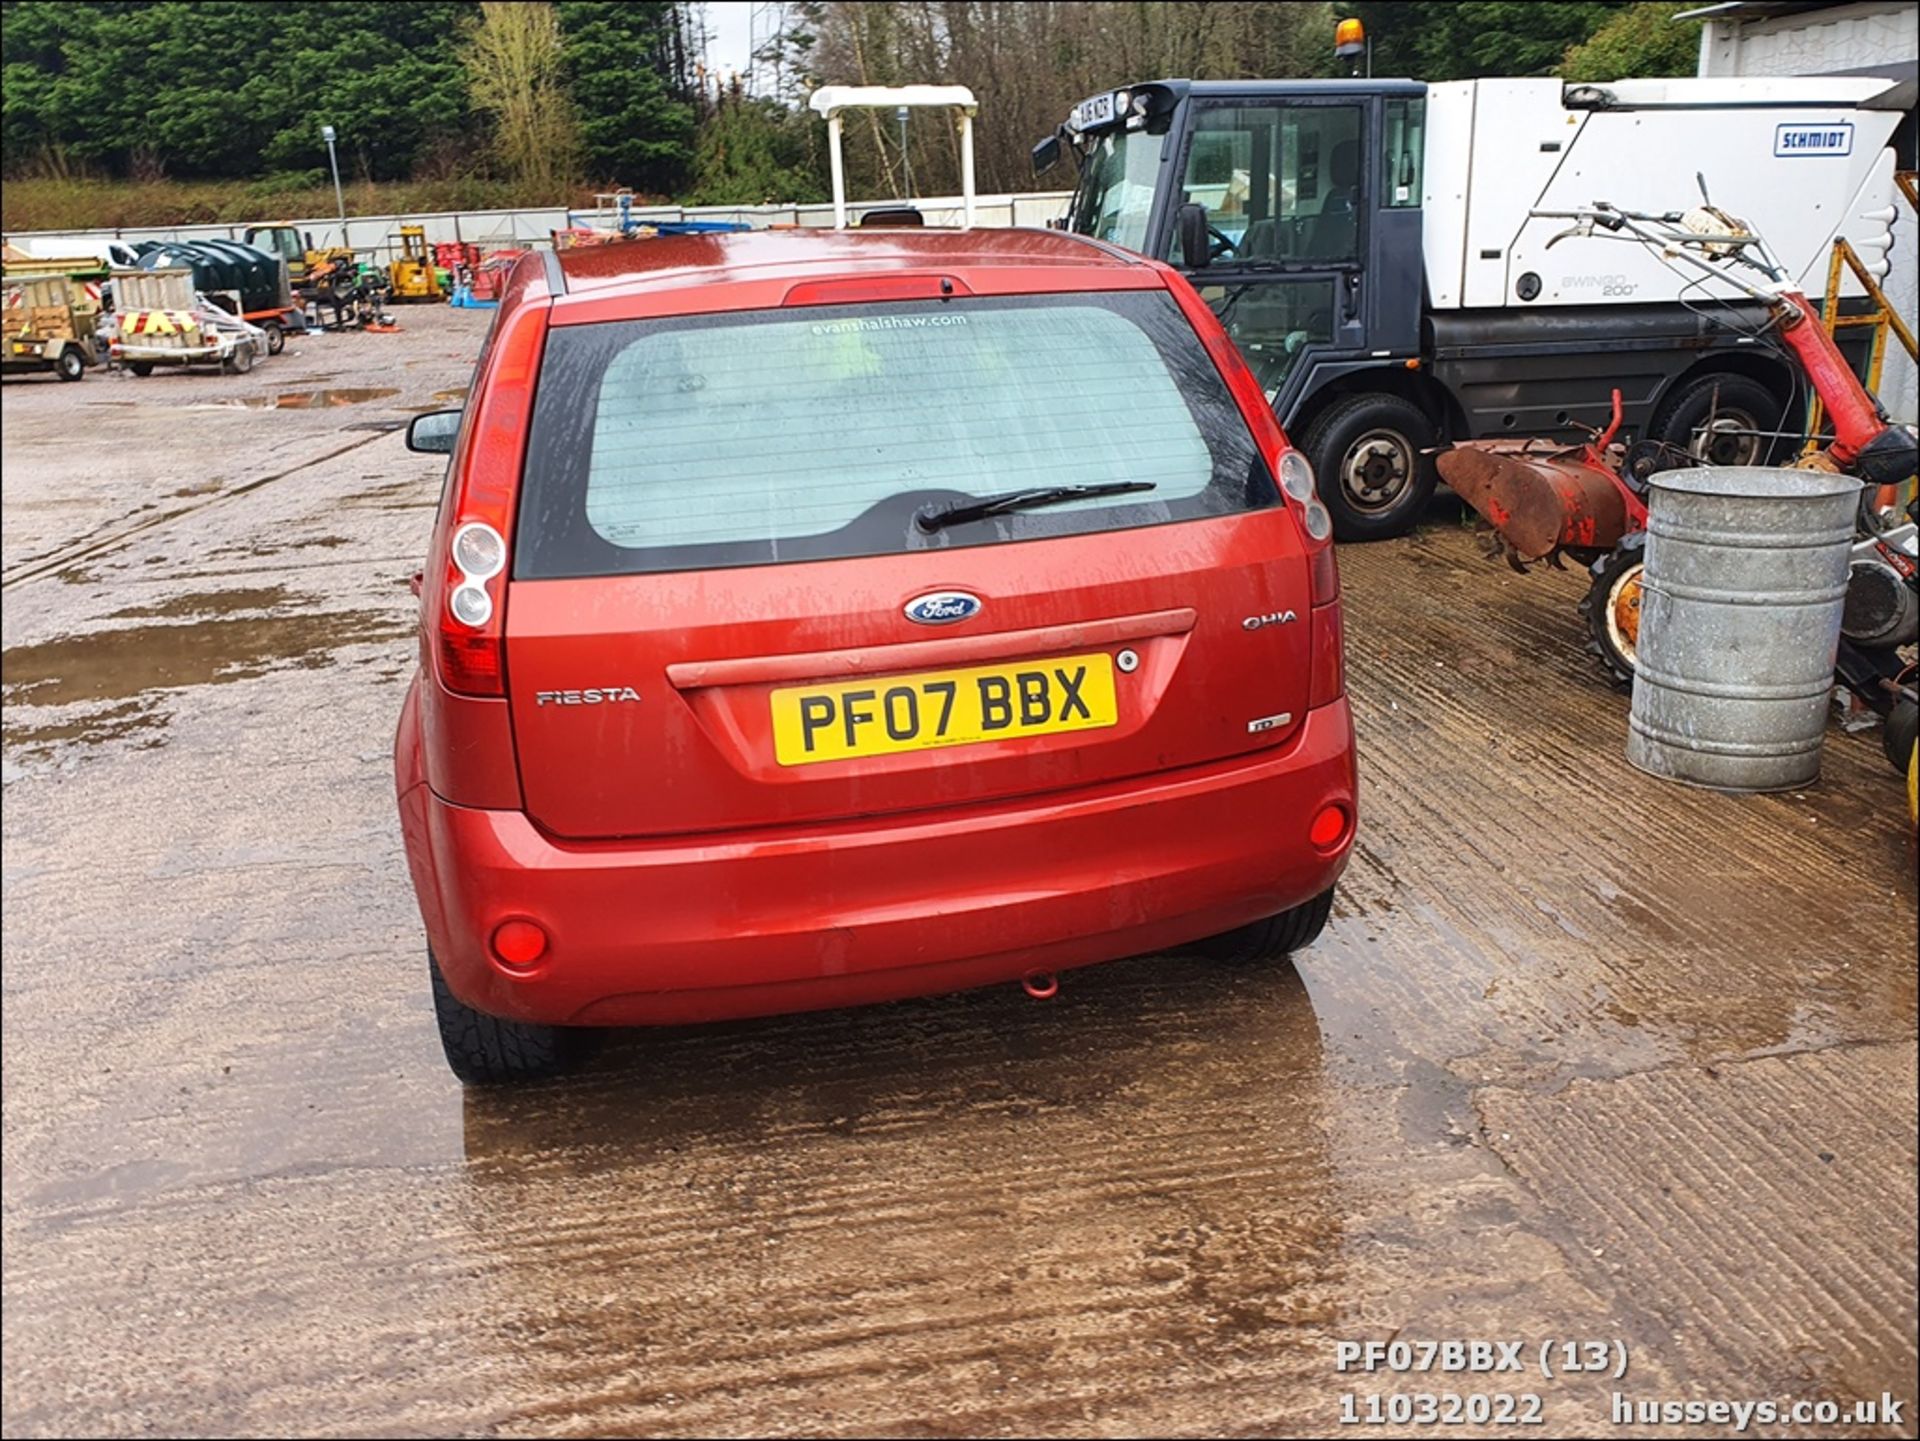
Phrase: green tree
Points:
(635, 128)
(1643, 39)
(752, 151)
(1476, 37)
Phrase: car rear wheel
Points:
(71, 365)
(486, 1050)
(1274, 938)
(1372, 454)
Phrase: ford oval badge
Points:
(943, 608)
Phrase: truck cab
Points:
(1367, 244)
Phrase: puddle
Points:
(210, 603)
(116, 665)
(96, 728)
(302, 399)
(457, 394)
(322, 542)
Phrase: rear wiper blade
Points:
(1031, 499)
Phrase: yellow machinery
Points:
(411, 275)
(297, 249)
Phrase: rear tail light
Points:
(471, 599)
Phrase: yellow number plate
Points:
(885, 715)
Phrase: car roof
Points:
(674, 262)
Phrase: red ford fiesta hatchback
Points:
(816, 618)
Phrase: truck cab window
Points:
(1280, 182)
(1403, 141)
(1116, 187)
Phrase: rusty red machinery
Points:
(1543, 499)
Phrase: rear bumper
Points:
(709, 928)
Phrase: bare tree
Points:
(1028, 61)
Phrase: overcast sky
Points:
(729, 31)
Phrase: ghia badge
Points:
(943, 607)
(1277, 617)
(600, 695)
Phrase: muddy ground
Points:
(1581, 1057)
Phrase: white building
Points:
(1855, 37)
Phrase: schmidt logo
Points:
(1832, 139)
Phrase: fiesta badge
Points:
(942, 608)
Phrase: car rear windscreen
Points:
(762, 437)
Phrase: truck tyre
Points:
(1372, 457)
(276, 336)
(1705, 418)
(71, 365)
(142, 368)
(486, 1050)
(1274, 938)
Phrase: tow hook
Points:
(1041, 985)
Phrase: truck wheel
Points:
(1612, 607)
(486, 1050)
(71, 365)
(1712, 418)
(1370, 453)
(142, 368)
(1272, 939)
(276, 336)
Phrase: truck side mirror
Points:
(1190, 225)
(1046, 154)
(308, 237)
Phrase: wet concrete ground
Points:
(1581, 1056)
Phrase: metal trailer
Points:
(160, 319)
(45, 329)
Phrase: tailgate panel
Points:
(644, 705)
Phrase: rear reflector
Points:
(521, 943)
(1329, 828)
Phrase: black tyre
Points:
(276, 337)
(1709, 420)
(1272, 939)
(1612, 608)
(142, 368)
(1372, 457)
(1898, 733)
(485, 1050)
(241, 361)
(71, 365)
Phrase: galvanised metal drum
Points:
(1745, 582)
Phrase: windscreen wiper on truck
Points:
(1030, 499)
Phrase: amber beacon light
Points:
(1350, 42)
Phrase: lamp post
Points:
(906, 165)
(326, 134)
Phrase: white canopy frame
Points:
(831, 100)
